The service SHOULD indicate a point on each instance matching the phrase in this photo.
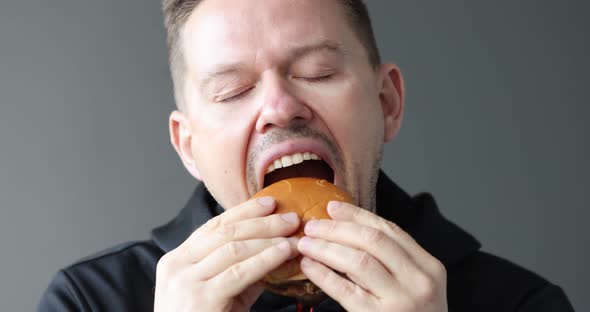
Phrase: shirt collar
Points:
(420, 217)
(198, 210)
(417, 215)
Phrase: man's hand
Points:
(218, 266)
(386, 269)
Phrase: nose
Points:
(280, 106)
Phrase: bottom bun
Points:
(288, 280)
(308, 197)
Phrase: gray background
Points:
(495, 127)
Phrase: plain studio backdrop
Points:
(496, 127)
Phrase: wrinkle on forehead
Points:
(256, 31)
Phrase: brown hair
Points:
(176, 13)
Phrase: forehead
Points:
(259, 30)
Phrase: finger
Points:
(362, 268)
(264, 227)
(346, 212)
(252, 208)
(234, 252)
(247, 298)
(238, 277)
(352, 297)
(374, 242)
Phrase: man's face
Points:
(273, 78)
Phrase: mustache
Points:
(279, 135)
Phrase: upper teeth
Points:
(290, 160)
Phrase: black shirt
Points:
(122, 278)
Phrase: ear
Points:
(181, 139)
(391, 95)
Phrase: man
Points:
(258, 84)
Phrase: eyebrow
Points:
(293, 54)
(326, 45)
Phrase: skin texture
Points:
(268, 75)
(351, 113)
(218, 267)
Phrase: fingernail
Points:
(333, 206)
(311, 226)
(283, 245)
(306, 262)
(304, 242)
(266, 201)
(290, 217)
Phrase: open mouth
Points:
(298, 165)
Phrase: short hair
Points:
(177, 12)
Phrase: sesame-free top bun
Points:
(308, 197)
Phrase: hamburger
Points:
(308, 197)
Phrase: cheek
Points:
(355, 118)
(219, 143)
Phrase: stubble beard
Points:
(368, 199)
(352, 177)
(294, 131)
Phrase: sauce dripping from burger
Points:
(300, 308)
(306, 303)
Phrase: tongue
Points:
(309, 168)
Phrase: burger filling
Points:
(302, 288)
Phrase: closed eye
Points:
(234, 95)
(318, 78)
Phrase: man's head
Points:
(257, 80)
(177, 12)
